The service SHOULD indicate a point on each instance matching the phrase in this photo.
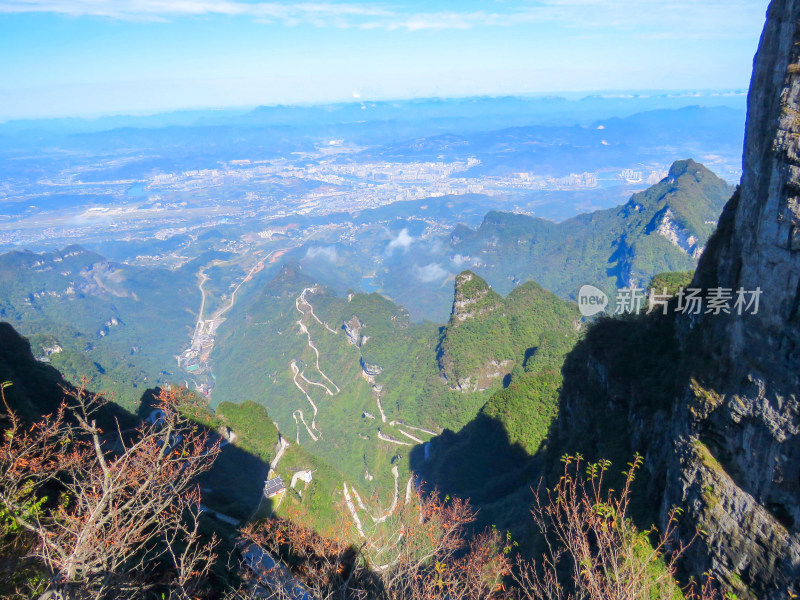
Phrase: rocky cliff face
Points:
(664, 224)
(716, 409)
(352, 330)
(758, 247)
(737, 453)
(473, 297)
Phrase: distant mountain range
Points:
(504, 111)
(664, 228)
(472, 372)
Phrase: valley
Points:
(400, 300)
(355, 377)
(389, 325)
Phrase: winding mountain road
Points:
(297, 372)
(304, 384)
(306, 310)
(376, 391)
(408, 435)
(392, 508)
(310, 433)
(386, 438)
(407, 426)
(349, 501)
(302, 299)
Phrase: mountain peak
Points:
(682, 167)
(473, 297)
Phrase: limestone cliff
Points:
(472, 298)
(711, 400)
(737, 454)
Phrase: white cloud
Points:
(460, 260)
(321, 13)
(675, 17)
(403, 241)
(429, 273)
(436, 246)
(328, 253)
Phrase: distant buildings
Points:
(631, 176)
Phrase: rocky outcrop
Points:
(352, 330)
(712, 400)
(479, 313)
(473, 298)
(741, 431)
(370, 370)
(103, 278)
(664, 224)
(757, 247)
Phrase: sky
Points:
(92, 57)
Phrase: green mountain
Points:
(338, 374)
(522, 338)
(119, 325)
(709, 400)
(233, 486)
(359, 384)
(488, 336)
(36, 387)
(466, 359)
(663, 228)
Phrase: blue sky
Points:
(86, 57)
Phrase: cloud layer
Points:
(430, 273)
(328, 253)
(402, 242)
(694, 16)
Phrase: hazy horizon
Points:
(570, 96)
(95, 57)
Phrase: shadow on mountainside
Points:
(234, 484)
(622, 369)
(37, 388)
(480, 463)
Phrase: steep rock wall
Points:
(715, 406)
